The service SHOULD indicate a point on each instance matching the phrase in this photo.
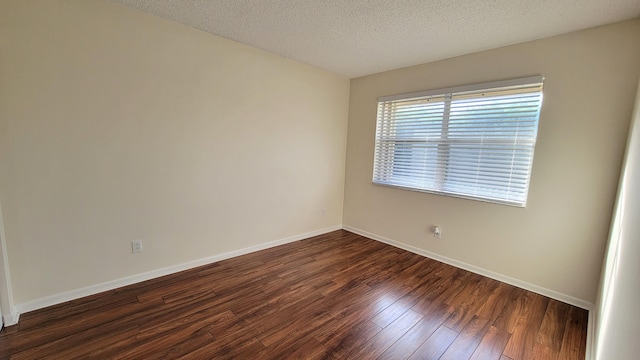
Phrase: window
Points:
(472, 142)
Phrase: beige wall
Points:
(557, 241)
(116, 126)
(617, 317)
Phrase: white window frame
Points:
(395, 168)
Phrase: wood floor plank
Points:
(387, 336)
(348, 314)
(469, 301)
(435, 345)
(574, 340)
(278, 317)
(97, 337)
(36, 335)
(509, 315)
(455, 285)
(333, 296)
(492, 345)
(105, 301)
(349, 317)
(294, 349)
(152, 347)
(418, 334)
(231, 347)
(542, 352)
(161, 282)
(390, 314)
(553, 325)
(449, 284)
(158, 337)
(399, 307)
(201, 309)
(340, 341)
(340, 303)
(495, 304)
(390, 272)
(176, 351)
(467, 342)
(523, 337)
(295, 329)
(196, 291)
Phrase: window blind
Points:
(474, 142)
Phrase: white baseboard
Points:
(114, 284)
(591, 332)
(478, 270)
(10, 319)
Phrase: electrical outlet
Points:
(324, 212)
(437, 232)
(136, 246)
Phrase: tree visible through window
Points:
(474, 142)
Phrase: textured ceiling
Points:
(360, 37)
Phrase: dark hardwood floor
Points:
(334, 296)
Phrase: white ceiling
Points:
(360, 37)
